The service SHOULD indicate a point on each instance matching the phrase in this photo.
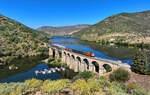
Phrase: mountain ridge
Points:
(128, 27)
(62, 30)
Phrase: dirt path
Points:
(141, 80)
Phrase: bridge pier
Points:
(76, 66)
(79, 65)
(72, 63)
(67, 60)
(82, 67)
(102, 70)
(50, 52)
(63, 59)
(56, 53)
(85, 67)
(91, 68)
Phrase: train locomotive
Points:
(73, 50)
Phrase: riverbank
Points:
(113, 42)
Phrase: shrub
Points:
(119, 75)
(63, 64)
(94, 86)
(52, 63)
(43, 50)
(120, 85)
(139, 92)
(116, 91)
(104, 82)
(11, 88)
(131, 86)
(34, 83)
(80, 86)
(50, 60)
(54, 86)
(18, 91)
(58, 60)
(84, 75)
(9, 59)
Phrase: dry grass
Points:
(140, 40)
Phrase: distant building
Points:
(112, 39)
(112, 44)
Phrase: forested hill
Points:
(127, 27)
(18, 40)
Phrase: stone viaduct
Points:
(79, 62)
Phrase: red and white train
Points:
(73, 50)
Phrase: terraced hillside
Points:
(18, 40)
(127, 27)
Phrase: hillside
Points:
(18, 40)
(61, 31)
(127, 27)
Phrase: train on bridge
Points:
(82, 61)
(73, 50)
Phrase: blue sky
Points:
(36, 13)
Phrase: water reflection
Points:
(31, 74)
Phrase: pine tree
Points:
(139, 63)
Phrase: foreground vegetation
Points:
(85, 83)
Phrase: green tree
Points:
(120, 75)
(84, 75)
(140, 63)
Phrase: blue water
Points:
(31, 74)
(73, 43)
